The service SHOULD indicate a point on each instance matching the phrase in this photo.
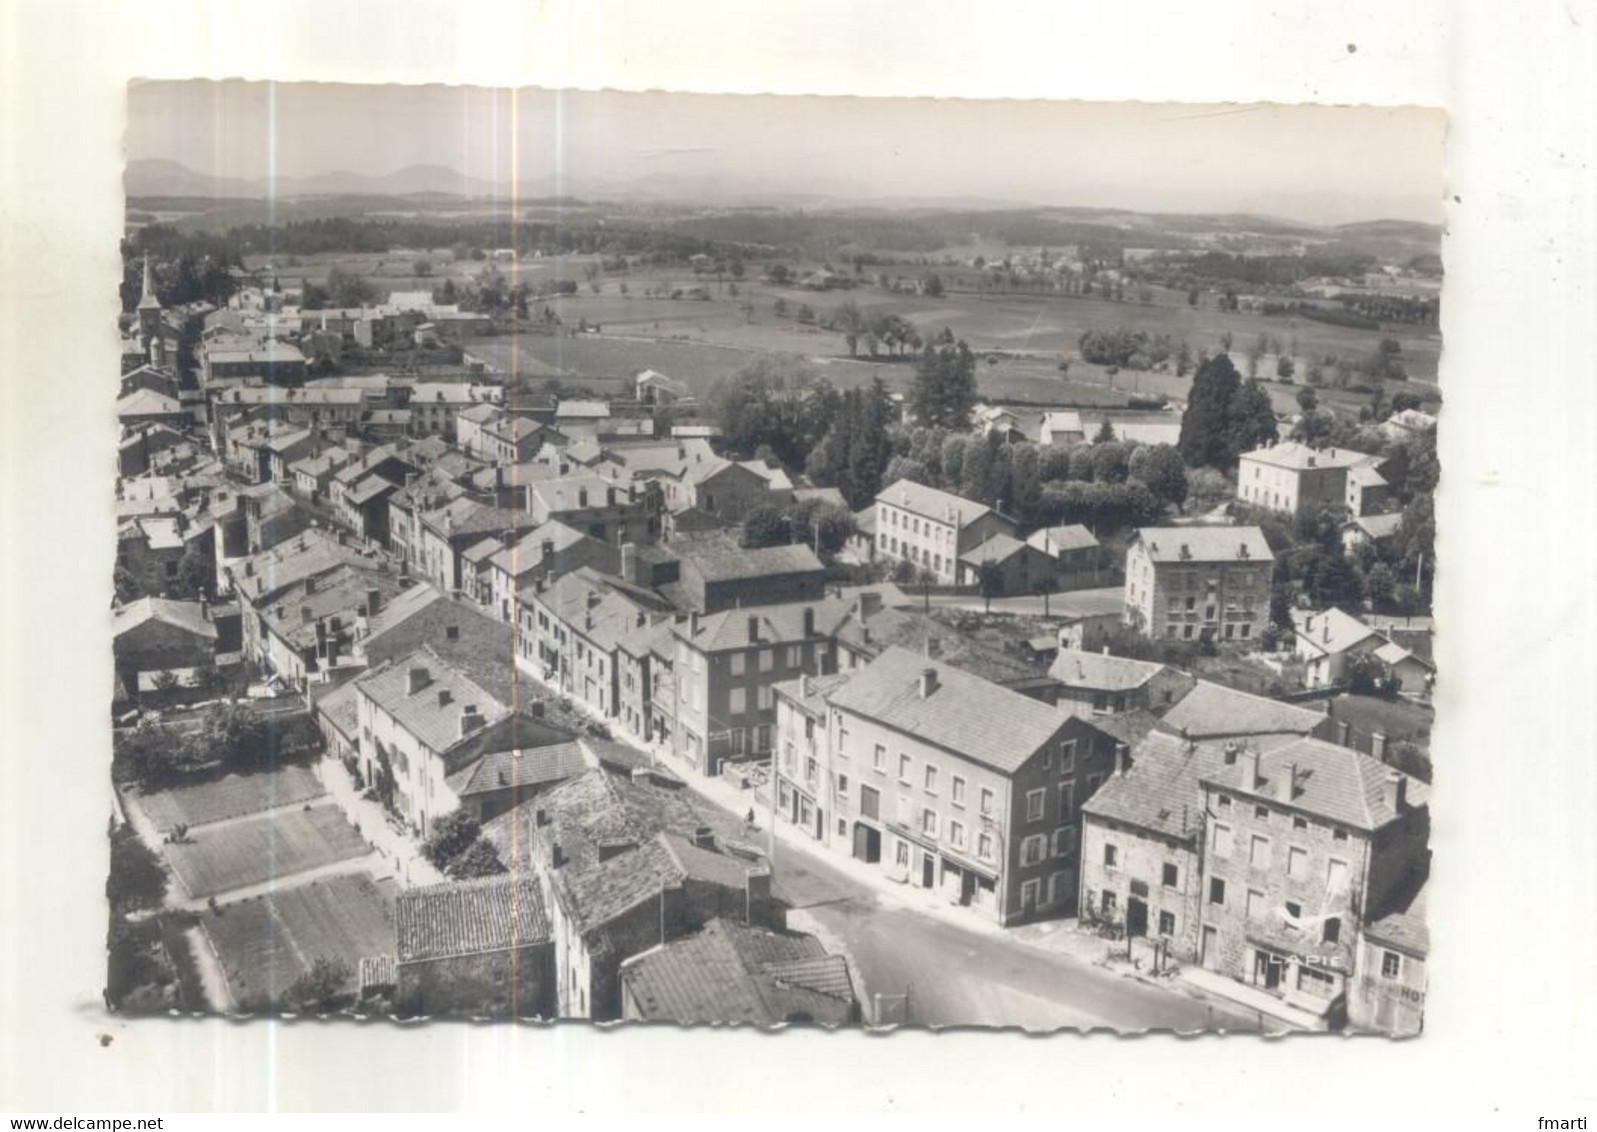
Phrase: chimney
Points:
(374, 600)
(1230, 754)
(804, 685)
(928, 682)
(310, 584)
(1250, 768)
(1341, 732)
(1378, 746)
(1121, 753)
(629, 563)
(704, 837)
(1287, 783)
(557, 857)
(693, 623)
(754, 629)
(582, 497)
(809, 622)
(306, 615)
(1395, 792)
(444, 697)
(416, 679)
(548, 549)
(470, 720)
(610, 496)
(1325, 629)
(536, 709)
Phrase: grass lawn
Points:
(230, 796)
(262, 848)
(265, 943)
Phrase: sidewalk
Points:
(398, 848)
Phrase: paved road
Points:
(965, 977)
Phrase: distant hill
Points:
(160, 178)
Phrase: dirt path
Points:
(212, 978)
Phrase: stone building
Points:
(1199, 583)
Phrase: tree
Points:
(1252, 422)
(479, 859)
(764, 526)
(1163, 470)
(322, 989)
(1111, 462)
(1284, 368)
(451, 836)
(933, 285)
(1369, 675)
(1208, 488)
(1308, 399)
(237, 735)
(944, 390)
(422, 268)
(1105, 433)
(1206, 438)
(779, 308)
(1380, 585)
(849, 322)
(137, 880)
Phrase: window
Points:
(740, 664)
(1300, 823)
(931, 779)
(1222, 840)
(1224, 801)
(1339, 835)
(1294, 913)
(1067, 799)
(901, 854)
(984, 846)
(1036, 803)
(903, 769)
(1297, 863)
(1331, 930)
(986, 802)
(795, 656)
(842, 786)
(1255, 905)
(738, 703)
(928, 822)
(1167, 923)
(1067, 756)
(1216, 891)
(1262, 812)
(1312, 980)
(957, 789)
(1335, 876)
(1028, 893)
(1259, 852)
(1033, 849)
(1047, 759)
(879, 758)
(1391, 965)
(1093, 782)
(765, 697)
(1065, 842)
(1108, 904)
(1172, 875)
(956, 834)
(767, 659)
(1111, 855)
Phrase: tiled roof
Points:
(777, 624)
(732, 973)
(481, 647)
(1393, 653)
(481, 414)
(462, 517)
(973, 717)
(444, 921)
(1080, 668)
(1205, 544)
(186, 615)
(341, 593)
(597, 895)
(145, 402)
(368, 489)
(1211, 711)
(811, 692)
(482, 549)
(566, 493)
(1379, 526)
(922, 633)
(1338, 783)
(1128, 727)
(932, 503)
(342, 709)
(1331, 631)
(526, 553)
(307, 554)
(512, 769)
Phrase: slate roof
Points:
(726, 562)
(339, 593)
(462, 517)
(1080, 668)
(778, 624)
(435, 725)
(1073, 536)
(973, 717)
(341, 708)
(732, 973)
(932, 503)
(1331, 631)
(147, 402)
(1205, 544)
(811, 693)
(565, 493)
(1394, 653)
(1292, 455)
(998, 548)
(919, 632)
(1338, 783)
(445, 921)
(1379, 527)
(307, 554)
(522, 767)
(526, 553)
(1211, 711)
(1161, 793)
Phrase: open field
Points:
(258, 849)
(230, 796)
(267, 942)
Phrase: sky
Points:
(1315, 163)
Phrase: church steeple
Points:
(147, 299)
(150, 319)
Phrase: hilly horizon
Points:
(161, 177)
